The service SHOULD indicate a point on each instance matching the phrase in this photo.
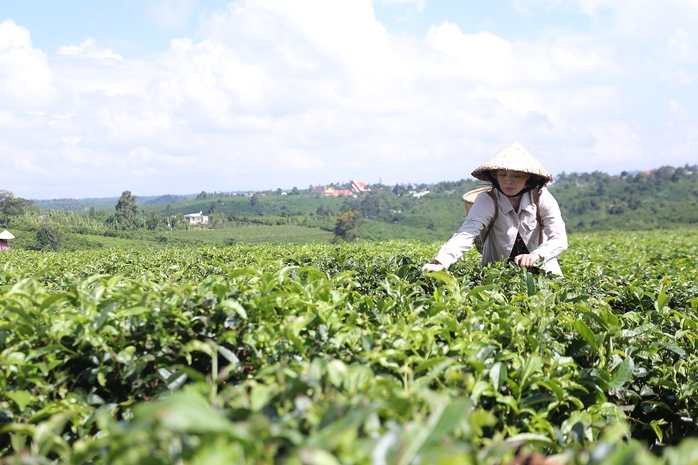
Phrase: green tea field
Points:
(331, 354)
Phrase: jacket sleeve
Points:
(553, 226)
(478, 219)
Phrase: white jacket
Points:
(500, 240)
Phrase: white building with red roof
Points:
(355, 188)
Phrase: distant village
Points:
(355, 188)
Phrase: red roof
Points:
(359, 186)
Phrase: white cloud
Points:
(593, 7)
(420, 4)
(487, 58)
(642, 20)
(88, 49)
(682, 138)
(210, 77)
(298, 160)
(280, 93)
(682, 77)
(340, 42)
(171, 14)
(677, 110)
(25, 76)
(681, 134)
(70, 140)
(681, 47)
(618, 142)
(87, 72)
(145, 159)
(481, 57)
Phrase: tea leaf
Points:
(586, 333)
(621, 374)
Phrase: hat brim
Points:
(513, 157)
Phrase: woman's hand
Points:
(526, 260)
(432, 267)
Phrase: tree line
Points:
(658, 198)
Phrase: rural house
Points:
(355, 188)
(323, 191)
(196, 218)
(358, 187)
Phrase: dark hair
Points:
(536, 181)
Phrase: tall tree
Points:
(48, 237)
(372, 204)
(126, 209)
(11, 206)
(346, 225)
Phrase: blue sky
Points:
(180, 96)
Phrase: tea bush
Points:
(347, 354)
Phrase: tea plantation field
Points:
(347, 354)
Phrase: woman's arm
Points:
(478, 219)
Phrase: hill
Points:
(666, 197)
(101, 203)
(659, 198)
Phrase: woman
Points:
(526, 210)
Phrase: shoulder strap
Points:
(496, 209)
(539, 219)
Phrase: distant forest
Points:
(648, 200)
(666, 197)
(589, 201)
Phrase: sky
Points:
(182, 96)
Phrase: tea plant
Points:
(347, 354)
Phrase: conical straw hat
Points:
(6, 235)
(513, 157)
